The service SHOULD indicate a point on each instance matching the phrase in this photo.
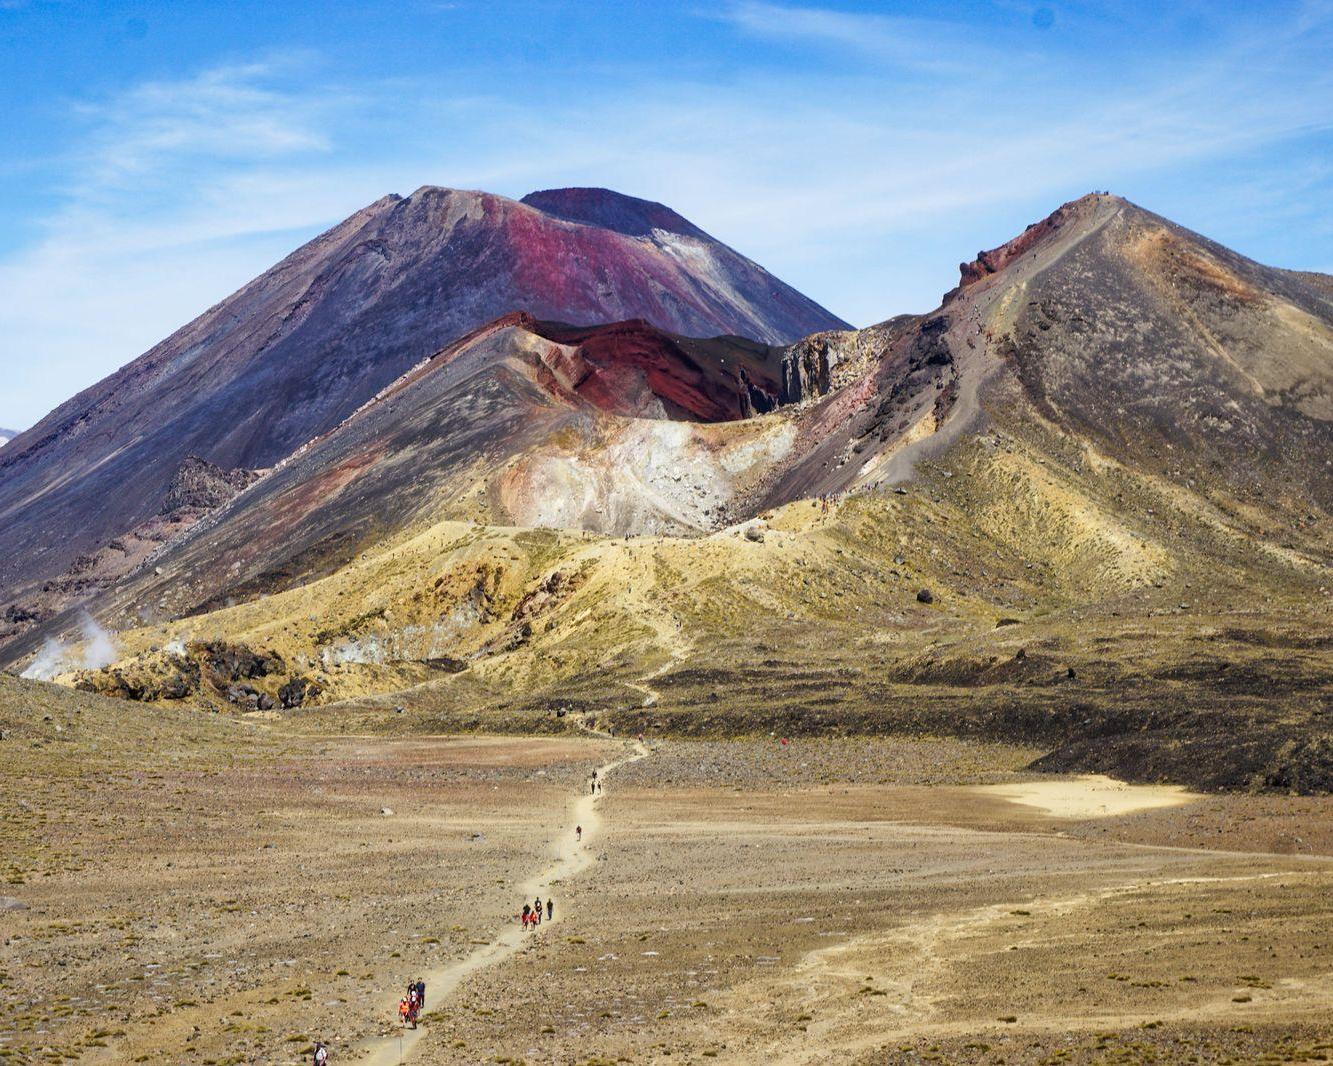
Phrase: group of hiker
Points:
(532, 913)
(411, 1005)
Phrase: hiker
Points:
(421, 993)
(592, 787)
(578, 832)
(537, 908)
(321, 1056)
(550, 909)
(527, 916)
(403, 1010)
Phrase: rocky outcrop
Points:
(807, 368)
(996, 259)
(217, 672)
(197, 488)
(232, 662)
(199, 485)
(826, 362)
(297, 691)
(554, 590)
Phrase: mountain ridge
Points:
(1081, 504)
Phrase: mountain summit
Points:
(614, 211)
(293, 353)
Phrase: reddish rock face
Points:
(996, 259)
(633, 368)
(300, 348)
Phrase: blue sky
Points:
(158, 155)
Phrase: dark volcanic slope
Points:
(1120, 330)
(485, 398)
(785, 315)
(305, 344)
(494, 394)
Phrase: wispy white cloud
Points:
(227, 113)
(171, 196)
(928, 45)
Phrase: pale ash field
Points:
(185, 888)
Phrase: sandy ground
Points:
(1086, 796)
(819, 902)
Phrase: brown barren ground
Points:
(202, 890)
(742, 914)
(212, 892)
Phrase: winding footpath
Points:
(572, 858)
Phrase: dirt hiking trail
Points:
(572, 858)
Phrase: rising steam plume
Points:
(56, 657)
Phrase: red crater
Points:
(626, 366)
